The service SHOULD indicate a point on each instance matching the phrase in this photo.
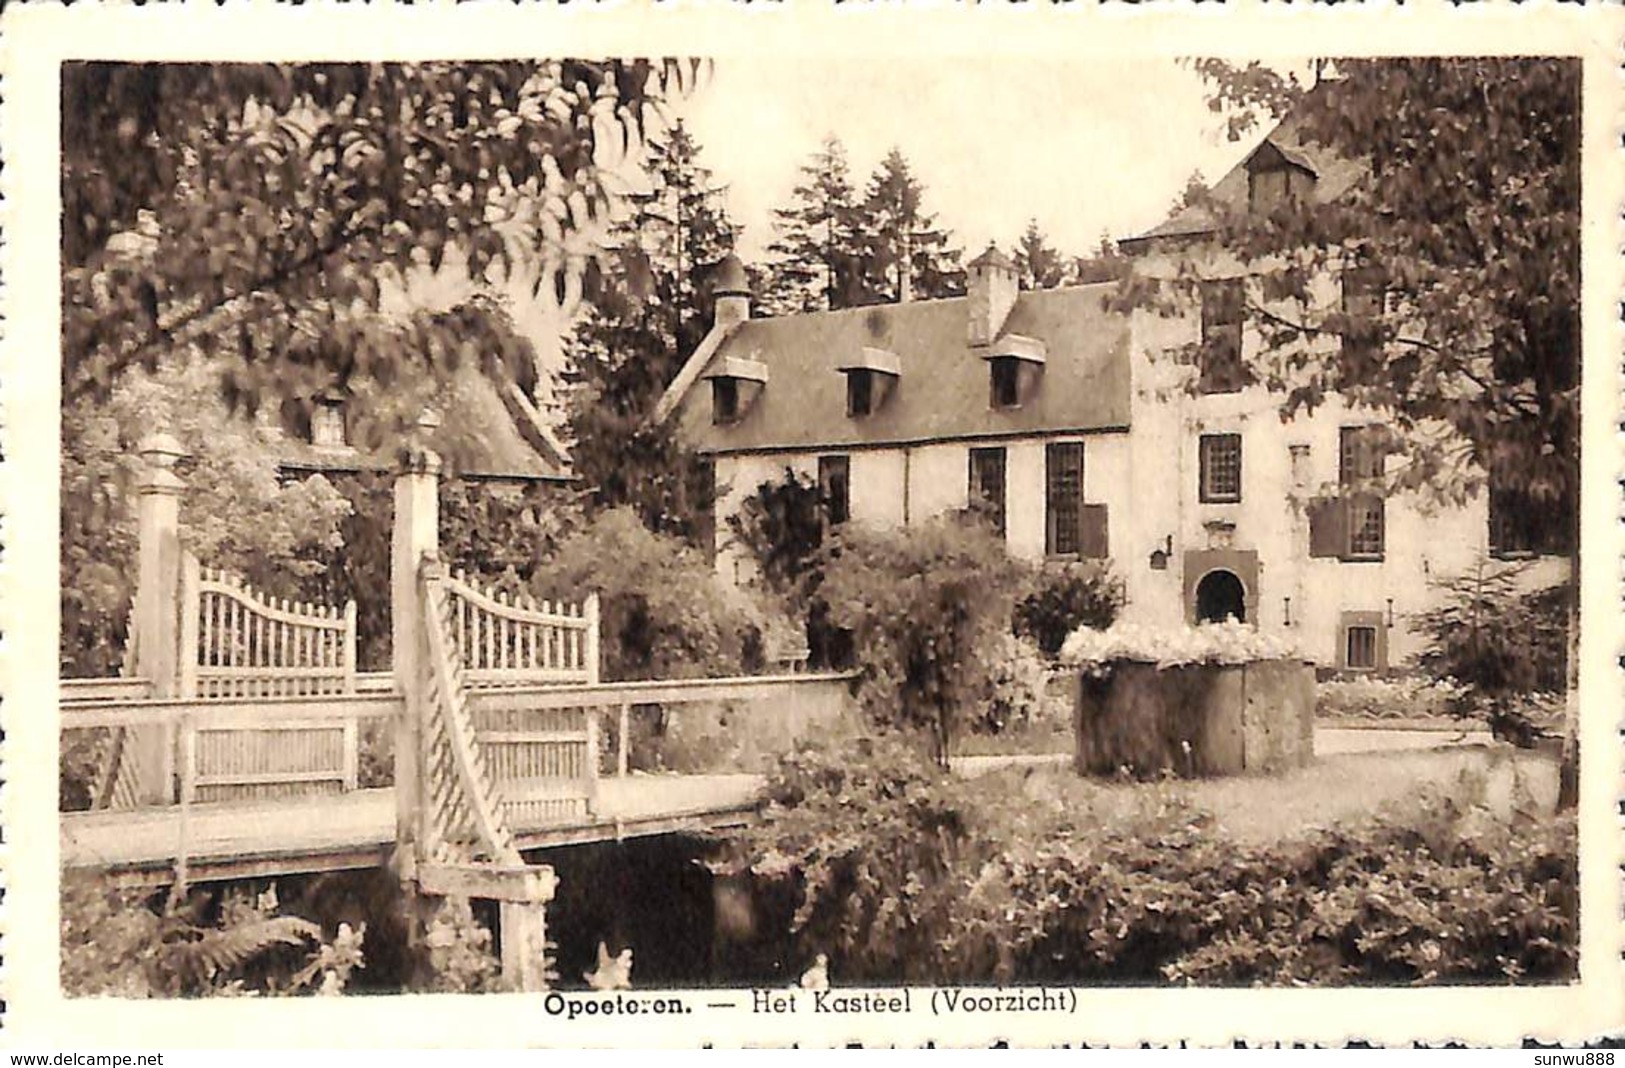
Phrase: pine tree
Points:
(635, 336)
(906, 255)
(1038, 265)
(1105, 265)
(816, 258)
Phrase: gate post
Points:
(156, 617)
(416, 532)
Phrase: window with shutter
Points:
(1063, 477)
(1093, 543)
(987, 483)
(1328, 531)
(1360, 461)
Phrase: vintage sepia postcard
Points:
(700, 524)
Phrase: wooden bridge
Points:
(325, 821)
(234, 746)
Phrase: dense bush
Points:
(1017, 695)
(663, 611)
(927, 609)
(783, 526)
(907, 874)
(1065, 598)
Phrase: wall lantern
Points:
(1288, 602)
(1159, 556)
(1390, 613)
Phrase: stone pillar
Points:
(522, 928)
(416, 533)
(156, 618)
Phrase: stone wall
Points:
(1195, 720)
(745, 735)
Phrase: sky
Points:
(1087, 148)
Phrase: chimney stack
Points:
(992, 287)
(731, 292)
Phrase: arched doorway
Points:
(1219, 596)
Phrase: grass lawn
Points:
(1350, 786)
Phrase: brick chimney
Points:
(731, 291)
(991, 287)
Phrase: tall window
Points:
(1063, 498)
(987, 483)
(1360, 460)
(1223, 303)
(835, 487)
(860, 392)
(1220, 477)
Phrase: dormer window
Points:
(724, 400)
(871, 376)
(735, 384)
(1277, 176)
(1006, 372)
(327, 423)
(860, 393)
(1015, 366)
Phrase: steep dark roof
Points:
(943, 389)
(482, 433)
(1334, 171)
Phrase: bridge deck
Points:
(226, 841)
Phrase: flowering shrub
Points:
(1378, 697)
(1230, 642)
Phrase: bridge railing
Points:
(516, 640)
(248, 748)
(734, 724)
(238, 642)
